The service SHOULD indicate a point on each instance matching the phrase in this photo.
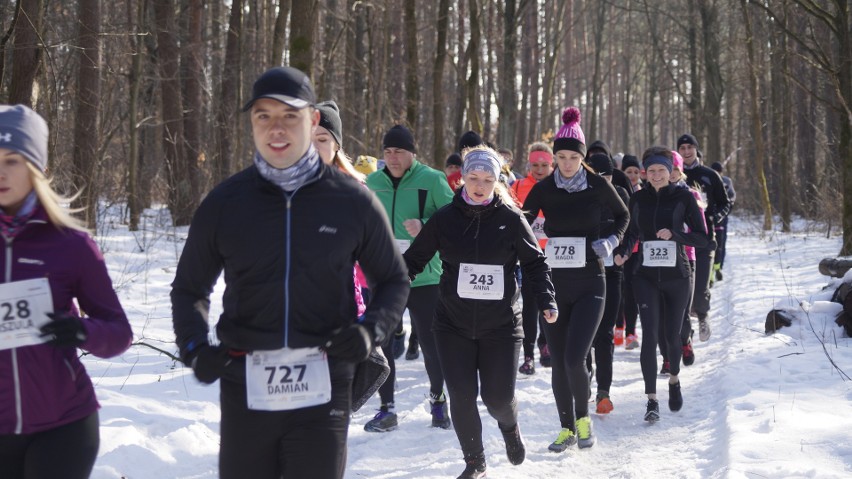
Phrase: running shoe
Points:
(565, 440)
(688, 353)
(675, 397)
(703, 329)
(632, 342)
(652, 411)
(718, 269)
(544, 357)
(618, 336)
(413, 351)
(604, 404)
(384, 421)
(528, 367)
(585, 437)
(398, 344)
(440, 413)
(666, 369)
(515, 449)
(474, 467)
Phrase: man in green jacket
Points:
(411, 192)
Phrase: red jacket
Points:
(520, 189)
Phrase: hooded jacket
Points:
(43, 386)
(419, 194)
(492, 234)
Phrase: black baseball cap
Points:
(285, 84)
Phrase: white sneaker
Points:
(703, 330)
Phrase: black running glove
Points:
(350, 344)
(208, 363)
(65, 330)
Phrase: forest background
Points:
(143, 96)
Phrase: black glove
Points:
(350, 344)
(209, 363)
(65, 330)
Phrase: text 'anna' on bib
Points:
(480, 281)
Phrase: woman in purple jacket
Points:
(48, 409)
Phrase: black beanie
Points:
(454, 159)
(628, 161)
(717, 166)
(600, 163)
(330, 120)
(469, 139)
(399, 137)
(687, 139)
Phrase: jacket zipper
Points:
(656, 211)
(287, 271)
(19, 415)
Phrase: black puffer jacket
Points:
(494, 234)
(671, 208)
(288, 263)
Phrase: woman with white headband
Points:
(481, 236)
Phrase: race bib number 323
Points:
(659, 253)
(287, 379)
(23, 310)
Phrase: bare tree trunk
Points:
(594, 117)
(756, 130)
(133, 202)
(303, 25)
(507, 106)
(28, 50)
(192, 68)
(181, 202)
(461, 73)
(277, 55)
(715, 87)
(472, 55)
(438, 97)
(412, 88)
(228, 101)
(87, 107)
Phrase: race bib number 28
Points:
(23, 310)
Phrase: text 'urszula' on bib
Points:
(286, 379)
(23, 310)
(566, 252)
(659, 253)
(480, 281)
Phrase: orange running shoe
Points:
(619, 336)
(604, 405)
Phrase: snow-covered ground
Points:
(756, 406)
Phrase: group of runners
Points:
(323, 253)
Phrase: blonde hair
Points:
(52, 202)
(341, 160)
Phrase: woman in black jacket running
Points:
(660, 216)
(481, 236)
(573, 199)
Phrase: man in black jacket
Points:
(718, 205)
(286, 231)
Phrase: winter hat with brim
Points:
(687, 139)
(601, 163)
(628, 161)
(570, 136)
(658, 160)
(24, 131)
(284, 84)
(482, 160)
(330, 120)
(399, 137)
